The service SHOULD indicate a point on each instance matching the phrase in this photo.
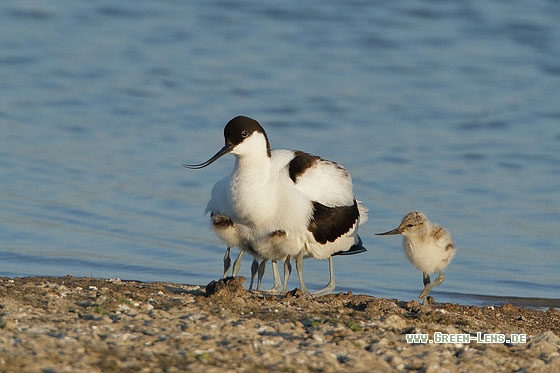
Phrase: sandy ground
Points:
(73, 324)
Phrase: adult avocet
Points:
(284, 204)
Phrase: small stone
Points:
(318, 338)
(226, 286)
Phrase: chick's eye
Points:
(410, 225)
(244, 134)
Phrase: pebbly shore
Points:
(69, 324)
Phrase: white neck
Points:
(250, 189)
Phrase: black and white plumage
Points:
(284, 204)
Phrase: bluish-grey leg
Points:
(428, 286)
(262, 268)
(299, 268)
(331, 285)
(227, 262)
(287, 272)
(254, 269)
(237, 263)
(277, 288)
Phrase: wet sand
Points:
(70, 324)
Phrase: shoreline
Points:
(60, 324)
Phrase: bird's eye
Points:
(244, 134)
(410, 225)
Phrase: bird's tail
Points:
(354, 249)
(363, 212)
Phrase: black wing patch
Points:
(301, 162)
(329, 223)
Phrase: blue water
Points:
(451, 108)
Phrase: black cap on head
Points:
(236, 130)
(241, 127)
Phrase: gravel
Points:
(69, 324)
